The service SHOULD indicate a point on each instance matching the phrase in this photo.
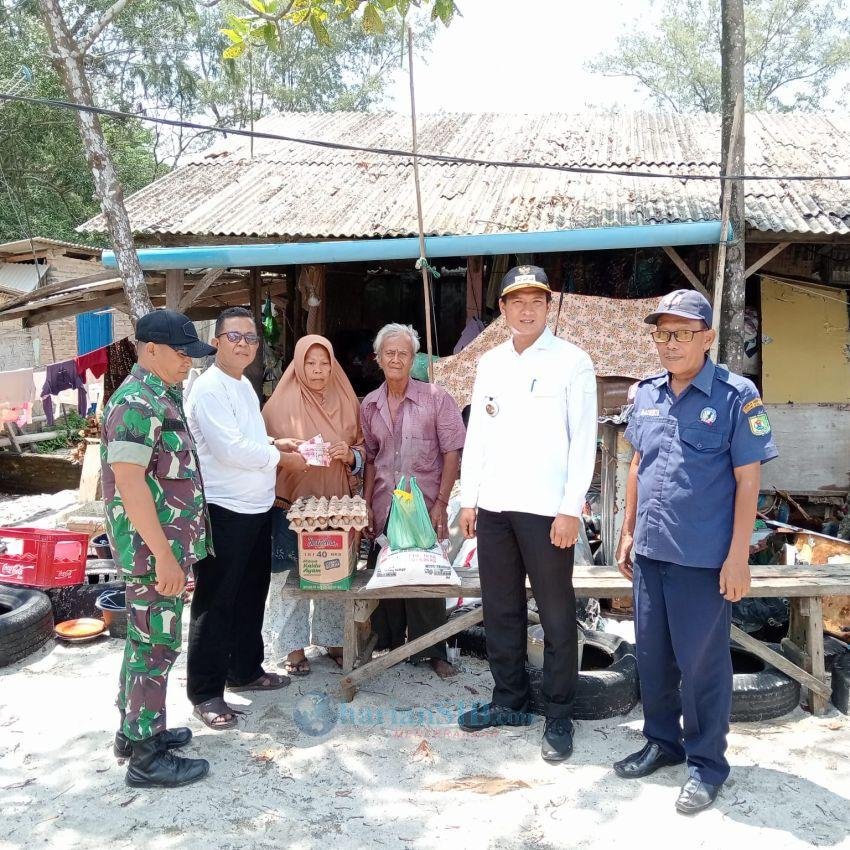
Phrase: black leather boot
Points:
(153, 766)
(171, 739)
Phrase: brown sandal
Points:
(298, 668)
(266, 682)
(213, 710)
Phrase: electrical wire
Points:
(398, 152)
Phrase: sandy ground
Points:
(38, 510)
(381, 777)
(392, 770)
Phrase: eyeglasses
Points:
(235, 336)
(684, 335)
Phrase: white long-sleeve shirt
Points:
(531, 441)
(237, 463)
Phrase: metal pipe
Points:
(407, 248)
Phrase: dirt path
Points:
(382, 776)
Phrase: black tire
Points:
(26, 622)
(77, 600)
(841, 683)
(759, 691)
(833, 649)
(607, 683)
(471, 641)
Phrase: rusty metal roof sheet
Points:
(290, 190)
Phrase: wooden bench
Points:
(806, 586)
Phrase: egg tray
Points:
(338, 512)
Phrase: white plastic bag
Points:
(411, 567)
(466, 560)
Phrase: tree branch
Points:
(106, 19)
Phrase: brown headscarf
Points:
(294, 410)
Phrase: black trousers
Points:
(395, 620)
(510, 545)
(229, 603)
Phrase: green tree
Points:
(45, 184)
(165, 59)
(73, 36)
(794, 50)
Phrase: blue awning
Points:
(407, 248)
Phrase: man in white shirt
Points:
(527, 463)
(238, 465)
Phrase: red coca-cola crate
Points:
(43, 557)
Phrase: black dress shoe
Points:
(642, 763)
(557, 739)
(153, 766)
(170, 739)
(696, 796)
(485, 716)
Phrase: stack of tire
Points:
(608, 684)
(26, 622)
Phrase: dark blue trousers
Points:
(682, 627)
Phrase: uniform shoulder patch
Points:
(752, 405)
(759, 425)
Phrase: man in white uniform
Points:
(527, 464)
(238, 464)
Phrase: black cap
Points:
(168, 327)
(686, 303)
(524, 277)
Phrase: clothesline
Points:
(20, 388)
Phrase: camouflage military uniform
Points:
(144, 424)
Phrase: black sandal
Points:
(210, 711)
(266, 682)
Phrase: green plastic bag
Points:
(409, 526)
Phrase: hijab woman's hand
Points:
(341, 451)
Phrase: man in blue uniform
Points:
(700, 435)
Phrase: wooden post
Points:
(722, 248)
(311, 286)
(254, 372)
(422, 262)
(804, 644)
(13, 437)
(90, 483)
(474, 287)
(732, 49)
(173, 288)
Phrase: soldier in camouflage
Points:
(158, 526)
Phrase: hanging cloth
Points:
(95, 361)
(63, 376)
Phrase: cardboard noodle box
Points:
(326, 559)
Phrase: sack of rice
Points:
(412, 567)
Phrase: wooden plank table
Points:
(806, 586)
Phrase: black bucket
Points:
(113, 604)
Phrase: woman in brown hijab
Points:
(314, 396)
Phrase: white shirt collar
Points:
(542, 343)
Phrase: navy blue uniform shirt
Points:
(689, 446)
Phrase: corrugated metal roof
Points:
(292, 190)
(20, 277)
(21, 246)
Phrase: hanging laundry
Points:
(120, 359)
(17, 393)
(63, 376)
(96, 361)
(474, 326)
